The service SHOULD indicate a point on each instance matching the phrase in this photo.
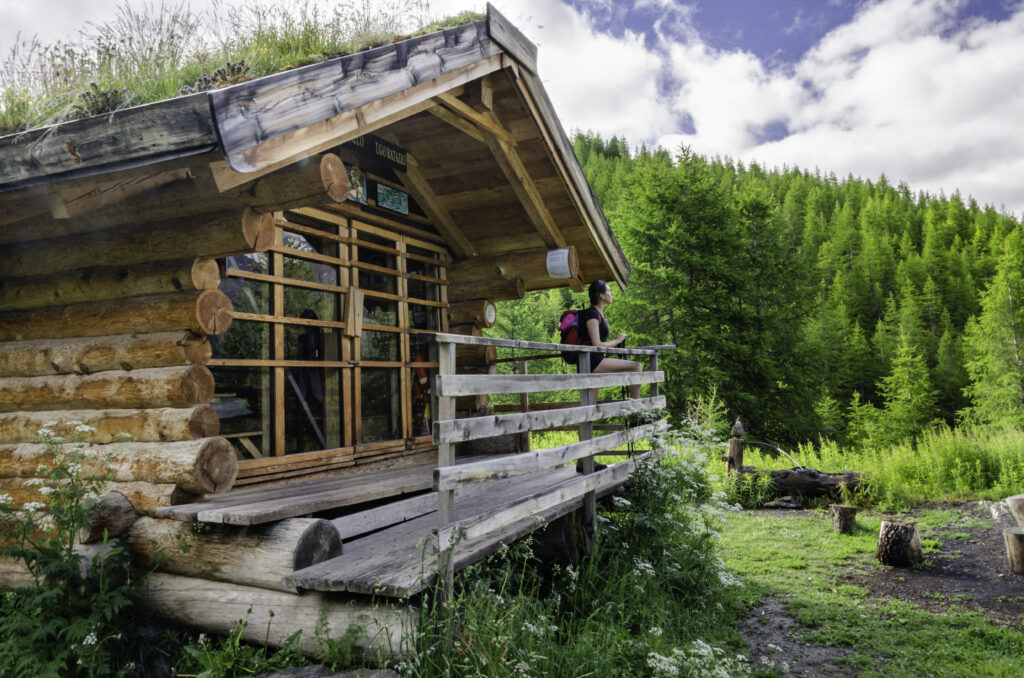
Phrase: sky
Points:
(926, 92)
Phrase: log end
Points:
(319, 542)
(213, 312)
(216, 465)
(258, 229)
(335, 177)
(197, 385)
(203, 423)
(205, 274)
(196, 349)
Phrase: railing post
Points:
(524, 402)
(654, 368)
(586, 433)
(445, 457)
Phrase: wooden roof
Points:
(489, 161)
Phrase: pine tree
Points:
(910, 400)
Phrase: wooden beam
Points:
(80, 200)
(425, 197)
(474, 428)
(488, 470)
(488, 123)
(459, 123)
(473, 384)
(472, 339)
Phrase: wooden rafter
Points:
(426, 198)
(462, 116)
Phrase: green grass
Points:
(147, 53)
(800, 560)
(945, 465)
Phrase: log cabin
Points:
(277, 291)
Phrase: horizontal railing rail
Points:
(449, 430)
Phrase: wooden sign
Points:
(374, 150)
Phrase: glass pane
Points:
(417, 267)
(311, 222)
(424, 317)
(309, 243)
(312, 407)
(255, 262)
(300, 302)
(310, 271)
(380, 311)
(378, 282)
(247, 296)
(244, 340)
(242, 402)
(371, 256)
(379, 346)
(421, 416)
(419, 347)
(419, 289)
(307, 342)
(381, 404)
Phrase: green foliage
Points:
(65, 622)
(151, 52)
(231, 656)
(652, 594)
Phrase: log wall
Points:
(104, 326)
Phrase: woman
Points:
(594, 332)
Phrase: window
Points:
(325, 363)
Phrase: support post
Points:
(586, 432)
(524, 403)
(734, 461)
(445, 457)
(1014, 538)
(654, 368)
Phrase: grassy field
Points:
(809, 619)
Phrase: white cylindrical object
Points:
(558, 263)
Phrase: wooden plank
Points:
(425, 197)
(541, 460)
(511, 39)
(474, 428)
(481, 384)
(487, 123)
(456, 121)
(516, 343)
(128, 137)
(272, 119)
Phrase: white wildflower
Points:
(33, 506)
(202, 638)
(89, 639)
(56, 439)
(46, 432)
(621, 501)
(655, 631)
(74, 422)
(34, 481)
(644, 567)
(46, 491)
(52, 423)
(5, 499)
(85, 428)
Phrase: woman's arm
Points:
(594, 331)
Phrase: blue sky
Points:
(928, 92)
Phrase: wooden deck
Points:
(401, 560)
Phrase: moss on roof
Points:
(159, 52)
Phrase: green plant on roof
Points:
(158, 51)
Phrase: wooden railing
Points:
(448, 431)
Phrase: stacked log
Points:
(104, 319)
(536, 268)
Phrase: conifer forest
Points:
(812, 306)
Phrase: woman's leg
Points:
(619, 365)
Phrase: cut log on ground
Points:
(899, 544)
(204, 312)
(1016, 506)
(273, 616)
(145, 497)
(102, 354)
(113, 516)
(254, 556)
(215, 235)
(844, 518)
(197, 466)
(1014, 538)
(809, 482)
(164, 424)
(100, 283)
(158, 387)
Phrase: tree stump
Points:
(899, 544)
(1014, 538)
(1016, 506)
(734, 460)
(844, 518)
